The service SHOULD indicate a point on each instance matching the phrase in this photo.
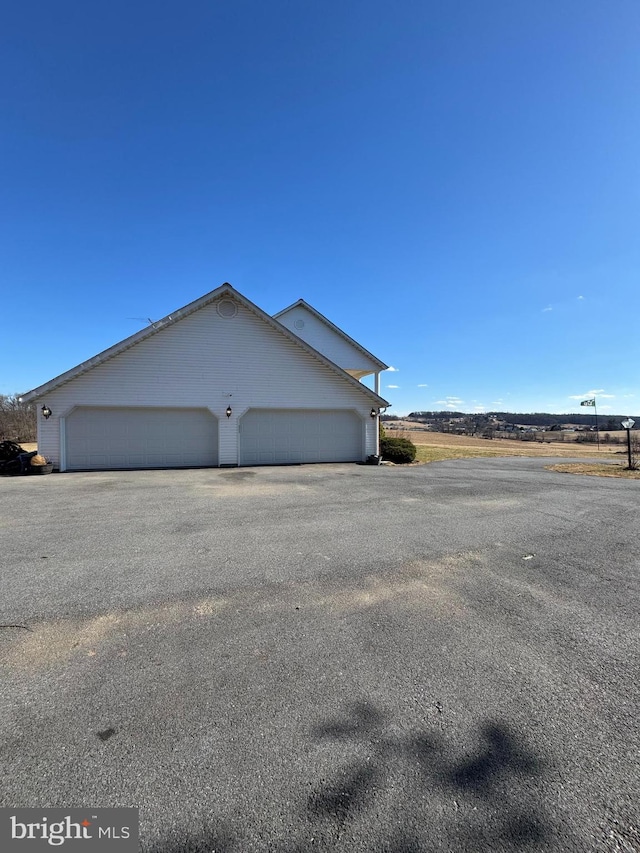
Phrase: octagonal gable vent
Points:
(299, 324)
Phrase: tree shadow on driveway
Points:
(403, 791)
(491, 792)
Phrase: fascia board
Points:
(170, 319)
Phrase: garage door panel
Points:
(287, 436)
(121, 438)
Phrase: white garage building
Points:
(217, 383)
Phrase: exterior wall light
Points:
(46, 412)
(228, 411)
(373, 413)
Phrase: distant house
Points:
(216, 383)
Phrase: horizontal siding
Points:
(206, 360)
(371, 435)
(325, 340)
(49, 436)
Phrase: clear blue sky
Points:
(455, 184)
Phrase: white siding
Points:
(49, 435)
(205, 360)
(325, 340)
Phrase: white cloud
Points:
(391, 370)
(478, 408)
(580, 297)
(597, 392)
(423, 385)
(449, 402)
(548, 308)
(393, 386)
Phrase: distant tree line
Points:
(17, 419)
(610, 422)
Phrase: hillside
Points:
(606, 422)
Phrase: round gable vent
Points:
(227, 308)
(299, 324)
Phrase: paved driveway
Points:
(340, 658)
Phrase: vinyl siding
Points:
(325, 340)
(207, 360)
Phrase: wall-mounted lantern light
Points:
(373, 412)
(46, 412)
(228, 411)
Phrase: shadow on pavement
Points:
(486, 800)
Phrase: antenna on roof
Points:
(143, 320)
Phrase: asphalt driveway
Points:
(339, 658)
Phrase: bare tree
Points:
(17, 419)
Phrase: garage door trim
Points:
(204, 432)
(288, 443)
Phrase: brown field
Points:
(436, 446)
(596, 469)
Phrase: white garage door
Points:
(140, 438)
(281, 436)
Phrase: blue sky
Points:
(455, 184)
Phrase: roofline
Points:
(124, 344)
(169, 320)
(335, 328)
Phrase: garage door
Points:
(140, 438)
(281, 436)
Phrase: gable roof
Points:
(174, 317)
(334, 328)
